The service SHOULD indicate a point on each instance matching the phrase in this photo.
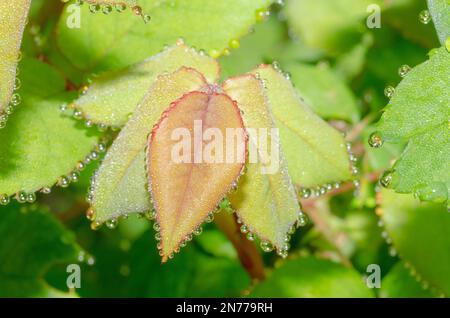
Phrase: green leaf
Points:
(118, 40)
(419, 113)
(419, 233)
(113, 97)
(324, 91)
(120, 184)
(399, 283)
(271, 211)
(13, 15)
(440, 11)
(333, 26)
(310, 277)
(39, 145)
(31, 243)
(315, 152)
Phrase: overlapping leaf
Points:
(272, 209)
(38, 146)
(419, 113)
(440, 11)
(118, 40)
(120, 185)
(13, 15)
(419, 232)
(113, 97)
(315, 152)
(31, 242)
(188, 146)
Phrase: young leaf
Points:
(419, 113)
(310, 277)
(39, 145)
(113, 97)
(120, 185)
(315, 152)
(118, 40)
(440, 12)
(272, 210)
(13, 15)
(419, 233)
(181, 200)
(31, 242)
(326, 93)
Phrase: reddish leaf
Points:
(186, 189)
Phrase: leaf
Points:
(31, 243)
(399, 283)
(181, 200)
(315, 152)
(419, 113)
(39, 145)
(333, 26)
(310, 277)
(13, 15)
(440, 11)
(419, 233)
(118, 40)
(113, 97)
(120, 184)
(271, 211)
(325, 92)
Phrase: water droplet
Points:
(94, 155)
(63, 108)
(209, 218)
(386, 178)
(90, 214)
(90, 261)
(198, 231)
(235, 44)
(403, 70)
(94, 8)
(389, 91)
(77, 114)
(74, 176)
(15, 99)
(120, 7)
(146, 18)
(31, 197)
(21, 197)
(17, 84)
(250, 236)
(375, 140)
(150, 215)
(101, 147)
(64, 182)
(158, 236)
(111, 224)
(244, 229)
(302, 219)
(81, 256)
(305, 193)
(424, 16)
(214, 54)
(89, 123)
(266, 246)
(137, 10)
(4, 199)
(107, 9)
(156, 227)
(80, 166)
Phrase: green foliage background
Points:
(337, 64)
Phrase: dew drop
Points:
(90, 261)
(266, 246)
(21, 197)
(31, 197)
(94, 8)
(80, 165)
(235, 44)
(64, 182)
(375, 140)
(424, 16)
(244, 229)
(198, 231)
(90, 214)
(101, 147)
(120, 7)
(389, 91)
(17, 84)
(156, 227)
(209, 218)
(250, 236)
(94, 155)
(158, 236)
(404, 70)
(137, 10)
(4, 199)
(436, 192)
(150, 215)
(15, 99)
(146, 18)
(302, 220)
(107, 9)
(386, 178)
(77, 114)
(111, 224)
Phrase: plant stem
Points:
(248, 254)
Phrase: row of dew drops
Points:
(109, 6)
